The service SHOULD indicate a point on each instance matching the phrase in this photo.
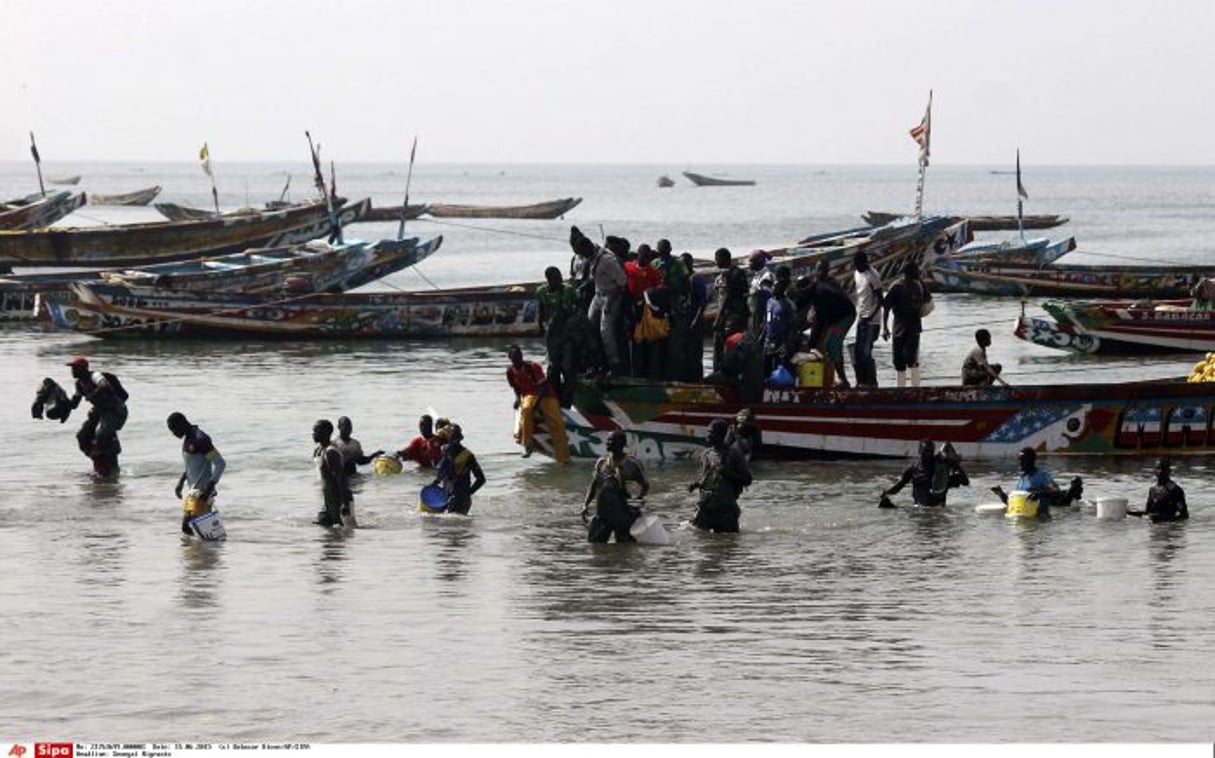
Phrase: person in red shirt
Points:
(426, 449)
(532, 392)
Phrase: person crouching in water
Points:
(204, 467)
(335, 487)
(458, 472)
(724, 474)
(931, 477)
(613, 514)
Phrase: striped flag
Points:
(922, 132)
(34, 149)
(204, 155)
(1020, 189)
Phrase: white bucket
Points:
(208, 527)
(648, 530)
(1111, 507)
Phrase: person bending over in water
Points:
(613, 514)
(204, 467)
(458, 472)
(931, 477)
(335, 487)
(724, 474)
(98, 435)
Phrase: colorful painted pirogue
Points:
(148, 243)
(993, 277)
(1122, 327)
(982, 223)
(315, 266)
(36, 211)
(669, 420)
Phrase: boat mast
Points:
(922, 134)
(1021, 195)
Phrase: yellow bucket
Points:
(810, 374)
(1021, 505)
(195, 504)
(384, 465)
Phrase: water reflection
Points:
(200, 573)
(453, 540)
(330, 563)
(1165, 543)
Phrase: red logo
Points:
(17, 751)
(54, 749)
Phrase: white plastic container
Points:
(648, 530)
(1111, 507)
(208, 527)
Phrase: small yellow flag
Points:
(204, 155)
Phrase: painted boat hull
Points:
(982, 223)
(36, 211)
(669, 420)
(1052, 334)
(145, 244)
(1061, 280)
(1136, 326)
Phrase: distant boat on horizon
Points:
(665, 181)
(700, 180)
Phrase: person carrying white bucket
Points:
(1165, 500)
(1040, 486)
(203, 467)
(613, 514)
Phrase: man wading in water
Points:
(613, 514)
(724, 474)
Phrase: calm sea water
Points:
(825, 620)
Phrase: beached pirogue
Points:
(499, 310)
(148, 243)
(36, 211)
(316, 266)
(1124, 327)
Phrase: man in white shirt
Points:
(868, 319)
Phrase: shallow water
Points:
(826, 620)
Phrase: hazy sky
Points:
(618, 81)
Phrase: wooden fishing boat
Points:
(72, 180)
(1052, 334)
(1139, 326)
(700, 180)
(315, 266)
(988, 277)
(981, 223)
(669, 420)
(138, 197)
(1034, 251)
(175, 212)
(546, 210)
(393, 212)
(113, 311)
(148, 243)
(37, 211)
(665, 181)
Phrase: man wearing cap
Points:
(608, 488)
(724, 474)
(203, 468)
(98, 435)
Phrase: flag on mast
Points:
(922, 132)
(34, 149)
(1020, 189)
(204, 155)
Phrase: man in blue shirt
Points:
(204, 467)
(1040, 484)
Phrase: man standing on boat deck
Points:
(976, 371)
(1040, 484)
(350, 448)
(1165, 500)
(458, 472)
(98, 435)
(204, 467)
(691, 366)
(609, 491)
(724, 474)
(335, 488)
(906, 300)
(931, 477)
(762, 282)
(558, 309)
(731, 287)
(606, 274)
(677, 287)
(868, 285)
(534, 393)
